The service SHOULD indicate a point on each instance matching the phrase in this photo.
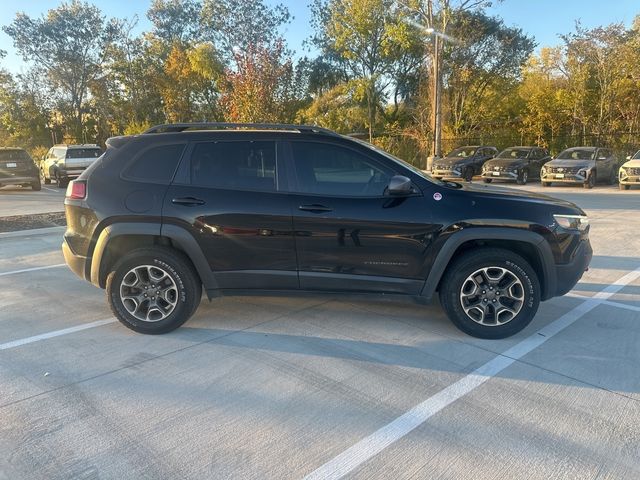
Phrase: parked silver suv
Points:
(66, 162)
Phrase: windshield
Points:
(514, 153)
(84, 153)
(636, 156)
(6, 155)
(576, 155)
(462, 152)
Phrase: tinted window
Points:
(579, 154)
(156, 164)
(244, 165)
(463, 152)
(514, 153)
(337, 171)
(84, 153)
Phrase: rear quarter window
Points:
(156, 164)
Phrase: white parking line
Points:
(370, 446)
(34, 269)
(52, 190)
(55, 333)
(607, 302)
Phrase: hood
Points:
(452, 161)
(490, 191)
(570, 163)
(632, 163)
(504, 162)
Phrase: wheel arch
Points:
(530, 245)
(117, 239)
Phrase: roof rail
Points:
(181, 127)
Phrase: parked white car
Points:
(66, 162)
(629, 173)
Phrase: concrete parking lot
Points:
(16, 200)
(321, 387)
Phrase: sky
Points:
(542, 19)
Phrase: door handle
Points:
(188, 201)
(315, 208)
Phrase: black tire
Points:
(523, 177)
(47, 181)
(186, 283)
(488, 180)
(546, 184)
(624, 187)
(591, 181)
(468, 174)
(457, 277)
(36, 185)
(62, 182)
(613, 178)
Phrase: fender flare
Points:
(445, 255)
(179, 236)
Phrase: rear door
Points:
(229, 195)
(604, 164)
(350, 236)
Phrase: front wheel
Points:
(546, 184)
(153, 290)
(523, 177)
(36, 185)
(624, 187)
(490, 293)
(488, 180)
(591, 181)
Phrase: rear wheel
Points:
(546, 184)
(490, 293)
(46, 180)
(36, 185)
(488, 180)
(153, 290)
(62, 182)
(613, 178)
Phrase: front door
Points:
(349, 234)
(229, 198)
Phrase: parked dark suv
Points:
(463, 162)
(240, 209)
(17, 168)
(518, 164)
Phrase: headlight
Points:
(572, 222)
(582, 172)
(543, 170)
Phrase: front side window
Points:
(332, 170)
(514, 153)
(578, 154)
(463, 152)
(235, 165)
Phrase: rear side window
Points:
(336, 171)
(156, 164)
(235, 165)
(84, 153)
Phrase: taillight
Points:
(77, 189)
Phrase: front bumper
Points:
(502, 175)
(563, 178)
(445, 173)
(568, 275)
(626, 179)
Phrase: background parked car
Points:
(518, 164)
(629, 172)
(463, 162)
(17, 168)
(581, 165)
(66, 162)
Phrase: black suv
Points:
(242, 209)
(463, 162)
(17, 168)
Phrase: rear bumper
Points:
(19, 180)
(77, 263)
(569, 274)
(71, 173)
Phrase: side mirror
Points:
(628, 157)
(602, 158)
(399, 185)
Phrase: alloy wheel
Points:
(149, 293)
(492, 296)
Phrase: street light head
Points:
(429, 30)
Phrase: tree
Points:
(176, 20)
(69, 45)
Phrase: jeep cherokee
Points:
(239, 209)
